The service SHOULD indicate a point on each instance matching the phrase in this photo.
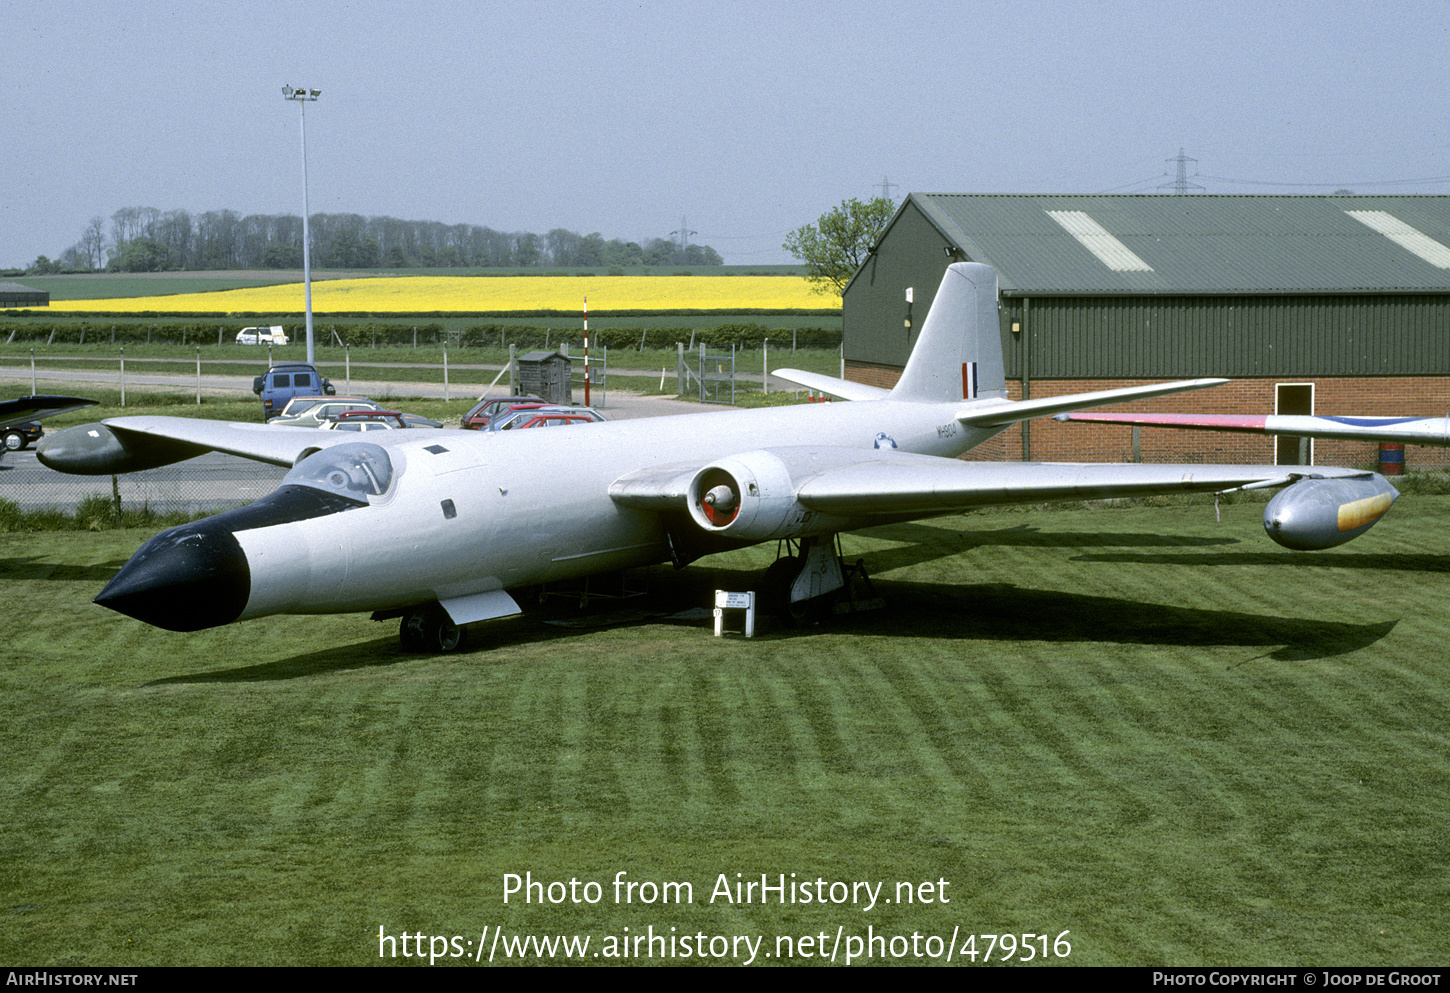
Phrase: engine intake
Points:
(752, 497)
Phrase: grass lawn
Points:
(1165, 736)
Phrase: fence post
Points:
(198, 375)
(765, 367)
(445, 372)
(123, 375)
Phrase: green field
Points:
(104, 286)
(1165, 736)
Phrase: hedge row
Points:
(363, 335)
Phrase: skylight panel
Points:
(1100, 241)
(1405, 236)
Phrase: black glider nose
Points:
(185, 579)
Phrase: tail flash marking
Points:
(969, 380)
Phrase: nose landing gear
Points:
(429, 629)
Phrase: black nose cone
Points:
(185, 579)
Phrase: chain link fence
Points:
(204, 484)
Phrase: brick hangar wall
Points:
(1052, 441)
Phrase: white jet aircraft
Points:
(436, 527)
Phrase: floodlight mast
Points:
(302, 96)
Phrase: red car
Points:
(542, 416)
(477, 419)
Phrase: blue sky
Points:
(747, 118)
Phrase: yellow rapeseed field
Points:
(424, 294)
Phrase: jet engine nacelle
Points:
(1322, 513)
(752, 497)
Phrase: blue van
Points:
(287, 380)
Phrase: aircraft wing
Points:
(843, 388)
(928, 485)
(1415, 430)
(33, 408)
(130, 444)
(851, 482)
(802, 491)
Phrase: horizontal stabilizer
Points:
(1001, 413)
(843, 388)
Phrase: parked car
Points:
(273, 335)
(314, 411)
(477, 418)
(367, 420)
(21, 436)
(419, 421)
(543, 416)
(286, 380)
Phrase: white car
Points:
(273, 335)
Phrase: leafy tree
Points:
(282, 257)
(142, 255)
(834, 247)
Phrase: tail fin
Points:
(958, 354)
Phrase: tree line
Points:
(144, 239)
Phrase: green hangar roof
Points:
(1196, 244)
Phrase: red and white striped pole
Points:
(586, 351)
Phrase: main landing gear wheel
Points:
(430, 629)
(779, 576)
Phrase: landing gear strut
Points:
(810, 579)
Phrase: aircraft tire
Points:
(779, 577)
(430, 629)
(410, 632)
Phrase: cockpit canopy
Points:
(357, 470)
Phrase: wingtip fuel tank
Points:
(1316, 513)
